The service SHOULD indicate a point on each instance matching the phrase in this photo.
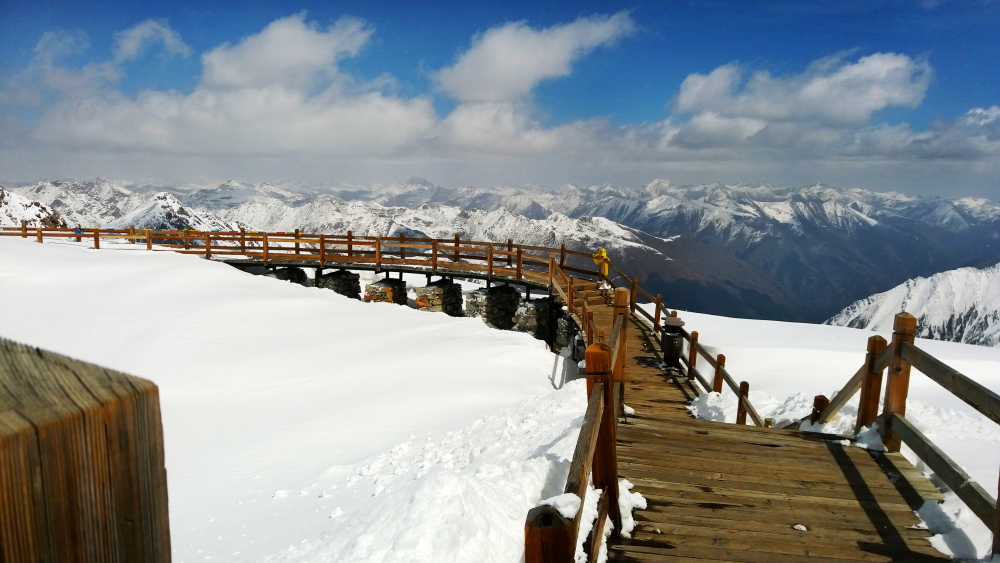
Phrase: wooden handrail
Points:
(899, 356)
(967, 489)
(853, 386)
(975, 395)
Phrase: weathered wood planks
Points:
(722, 492)
(82, 477)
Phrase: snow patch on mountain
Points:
(91, 204)
(960, 305)
(332, 215)
(165, 213)
(15, 208)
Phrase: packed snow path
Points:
(723, 492)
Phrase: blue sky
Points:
(886, 95)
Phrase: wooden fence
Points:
(82, 473)
(548, 535)
(519, 263)
(899, 356)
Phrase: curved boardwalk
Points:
(721, 492)
(715, 492)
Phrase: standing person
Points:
(79, 231)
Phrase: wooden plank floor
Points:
(720, 492)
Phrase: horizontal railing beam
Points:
(971, 493)
(975, 395)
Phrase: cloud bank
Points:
(281, 95)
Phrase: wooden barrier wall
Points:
(81, 462)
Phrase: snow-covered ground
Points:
(301, 425)
(787, 364)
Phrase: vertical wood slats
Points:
(81, 462)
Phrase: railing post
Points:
(570, 297)
(820, 402)
(519, 263)
(693, 351)
(149, 239)
(590, 326)
(489, 261)
(510, 249)
(634, 294)
(296, 241)
(38, 235)
(720, 365)
(656, 317)
(562, 256)
(552, 268)
(604, 470)
(378, 254)
(621, 304)
(456, 249)
(434, 256)
(243, 240)
(548, 536)
(24, 229)
(322, 250)
(208, 245)
(897, 384)
(264, 237)
(996, 531)
(97, 239)
(187, 239)
(131, 234)
(350, 246)
(741, 410)
(402, 249)
(871, 385)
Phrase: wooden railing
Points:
(508, 261)
(550, 537)
(899, 356)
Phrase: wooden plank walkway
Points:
(721, 492)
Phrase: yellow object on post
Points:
(602, 260)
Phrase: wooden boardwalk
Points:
(721, 492)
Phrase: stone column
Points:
(388, 289)
(495, 305)
(343, 282)
(441, 296)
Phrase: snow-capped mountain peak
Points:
(15, 208)
(165, 212)
(960, 305)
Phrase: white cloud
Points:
(288, 52)
(274, 93)
(129, 44)
(507, 62)
(830, 91)
(506, 129)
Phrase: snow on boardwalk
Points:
(721, 492)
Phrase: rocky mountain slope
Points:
(91, 204)
(164, 212)
(15, 208)
(813, 249)
(828, 246)
(960, 305)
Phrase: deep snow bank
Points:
(301, 424)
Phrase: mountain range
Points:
(753, 251)
(961, 305)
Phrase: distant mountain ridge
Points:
(806, 252)
(960, 305)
